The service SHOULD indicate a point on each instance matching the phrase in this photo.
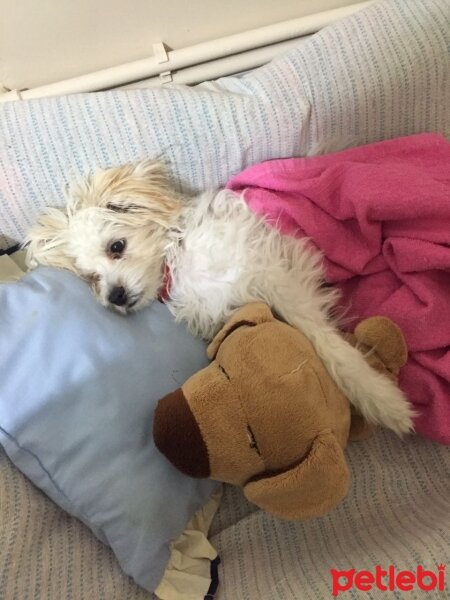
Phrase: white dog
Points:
(128, 234)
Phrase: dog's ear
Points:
(46, 241)
(310, 488)
(140, 189)
(249, 315)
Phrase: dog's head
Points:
(113, 233)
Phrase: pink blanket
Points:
(381, 216)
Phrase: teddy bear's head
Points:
(265, 415)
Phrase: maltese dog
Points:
(128, 234)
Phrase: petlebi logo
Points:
(388, 579)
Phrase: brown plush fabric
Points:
(308, 489)
(268, 415)
(250, 315)
(179, 438)
(385, 339)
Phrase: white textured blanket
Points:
(396, 514)
(377, 74)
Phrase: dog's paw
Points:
(393, 411)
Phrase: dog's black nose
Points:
(118, 296)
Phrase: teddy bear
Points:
(266, 415)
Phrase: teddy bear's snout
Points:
(177, 435)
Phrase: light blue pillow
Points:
(78, 386)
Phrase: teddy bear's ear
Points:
(309, 489)
(386, 338)
(250, 314)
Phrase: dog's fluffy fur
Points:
(220, 256)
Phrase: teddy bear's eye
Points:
(252, 440)
(224, 372)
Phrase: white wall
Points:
(42, 41)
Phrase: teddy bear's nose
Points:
(177, 435)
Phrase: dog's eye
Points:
(116, 249)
